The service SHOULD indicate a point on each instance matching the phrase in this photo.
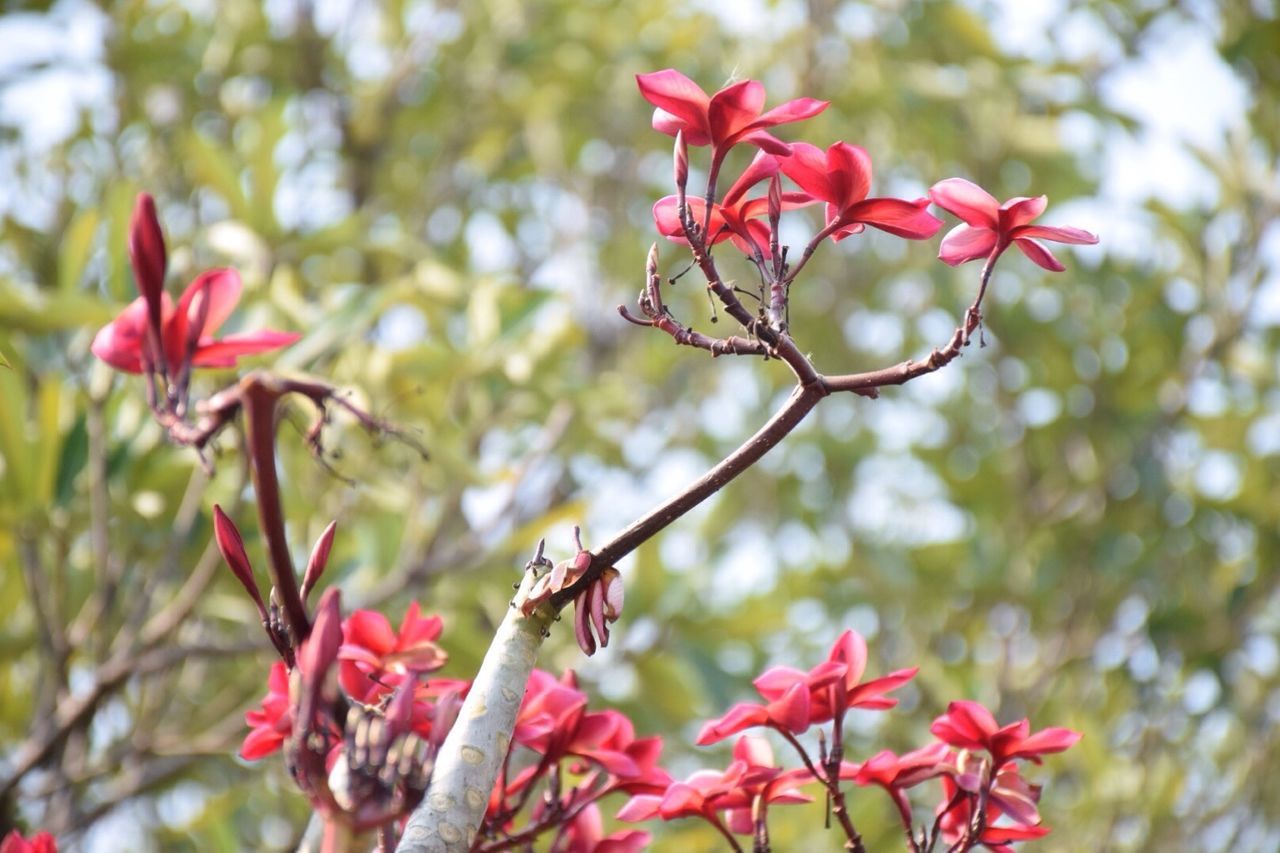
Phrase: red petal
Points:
(742, 716)
(966, 724)
(966, 200)
(807, 166)
(120, 342)
(224, 352)
(675, 93)
(850, 649)
(863, 694)
(1046, 741)
(848, 174)
(1056, 234)
(755, 751)
(1017, 212)
(764, 166)
(1039, 254)
(909, 219)
(260, 743)
(966, 243)
(791, 712)
(665, 122)
(221, 287)
(777, 680)
(640, 807)
(797, 110)
(733, 109)
(369, 629)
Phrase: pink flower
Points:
(1010, 798)
(891, 771)
(969, 725)
(760, 784)
(554, 722)
(841, 177)
(274, 722)
(184, 334)
(735, 217)
(990, 226)
(732, 115)
(374, 658)
(585, 834)
(41, 842)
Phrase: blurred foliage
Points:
(1076, 522)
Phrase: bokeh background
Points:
(1077, 522)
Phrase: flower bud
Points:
(147, 254)
(232, 548)
(320, 649)
(681, 161)
(319, 559)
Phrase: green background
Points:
(1076, 523)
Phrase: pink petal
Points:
(640, 807)
(776, 680)
(744, 715)
(909, 219)
(1017, 212)
(1039, 254)
(807, 166)
(850, 649)
(260, 743)
(967, 725)
(755, 751)
(1056, 234)
(369, 629)
(966, 200)
(765, 141)
(224, 352)
(417, 629)
(966, 243)
(764, 166)
(665, 122)
(733, 109)
(791, 712)
(675, 93)
(863, 695)
(848, 174)
(1047, 741)
(797, 110)
(120, 342)
(221, 287)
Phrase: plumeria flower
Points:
(273, 723)
(734, 114)
(989, 227)
(762, 783)
(554, 722)
(1011, 814)
(151, 331)
(41, 842)
(735, 217)
(969, 725)
(585, 834)
(895, 772)
(841, 177)
(374, 658)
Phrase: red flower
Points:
(990, 226)
(761, 783)
(374, 659)
(1009, 796)
(787, 712)
(41, 842)
(968, 725)
(585, 834)
(835, 685)
(274, 722)
(732, 115)
(841, 177)
(735, 217)
(553, 721)
(184, 334)
(892, 772)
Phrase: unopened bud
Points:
(232, 548)
(319, 559)
(147, 254)
(320, 649)
(681, 161)
(775, 199)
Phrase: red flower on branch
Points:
(969, 725)
(761, 784)
(1010, 800)
(273, 723)
(990, 226)
(151, 332)
(374, 658)
(735, 217)
(841, 177)
(553, 721)
(732, 115)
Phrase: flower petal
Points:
(848, 174)
(966, 200)
(733, 109)
(224, 352)
(742, 716)
(797, 110)
(764, 166)
(120, 342)
(1018, 211)
(909, 219)
(966, 243)
(1039, 254)
(1058, 234)
(676, 94)
(807, 166)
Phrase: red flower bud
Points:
(681, 160)
(320, 649)
(232, 548)
(319, 559)
(147, 254)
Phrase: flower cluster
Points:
(577, 757)
(984, 799)
(839, 178)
